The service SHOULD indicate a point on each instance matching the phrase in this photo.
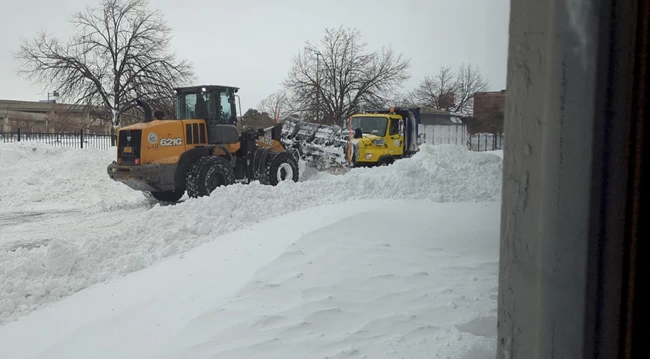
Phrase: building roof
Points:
(9, 106)
(441, 118)
(482, 93)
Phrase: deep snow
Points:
(65, 226)
(38, 178)
(362, 279)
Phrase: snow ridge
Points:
(32, 278)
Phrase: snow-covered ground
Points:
(496, 152)
(371, 264)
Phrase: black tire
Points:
(280, 167)
(385, 161)
(193, 184)
(165, 197)
(208, 173)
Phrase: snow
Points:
(381, 242)
(496, 152)
(342, 280)
(36, 176)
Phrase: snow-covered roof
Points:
(441, 118)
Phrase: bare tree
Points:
(276, 105)
(335, 80)
(121, 52)
(256, 119)
(22, 120)
(449, 90)
(63, 120)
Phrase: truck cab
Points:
(382, 136)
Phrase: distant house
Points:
(440, 127)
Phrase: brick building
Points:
(489, 108)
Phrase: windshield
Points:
(196, 105)
(370, 125)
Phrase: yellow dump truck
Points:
(382, 136)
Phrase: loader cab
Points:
(213, 104)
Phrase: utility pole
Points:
(318, 87)
(54, 94)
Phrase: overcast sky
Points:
(249, 43)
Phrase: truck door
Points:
(395, 140)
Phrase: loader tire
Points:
(218, 173)
(280, 167)
(192, 179)
(164, 197)
(295, 153)
(206, 174)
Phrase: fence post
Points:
(113, 136)
(18, 134)
(478, 145)
(81, 137)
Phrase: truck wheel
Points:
(166, 196)
(385, 161)
(206, 174)
(280, 167)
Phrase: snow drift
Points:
(141, 236)
(35, 176)
(310, 284)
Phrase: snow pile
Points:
(31, 278)
(37, 175)
(418, 282)
(496, 152)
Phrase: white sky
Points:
(249, 43)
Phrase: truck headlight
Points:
(379, 142)
(369, 156)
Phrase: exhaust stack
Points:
(147, 110)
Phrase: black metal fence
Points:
(485, 142)
(65, 139)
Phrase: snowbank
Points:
(31, 278)
(311, 284)
(39, 176)
(496, 152)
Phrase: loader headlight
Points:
(369, 156)
(379, 142)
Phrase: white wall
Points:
(443, 135)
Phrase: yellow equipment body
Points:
(166, 158)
